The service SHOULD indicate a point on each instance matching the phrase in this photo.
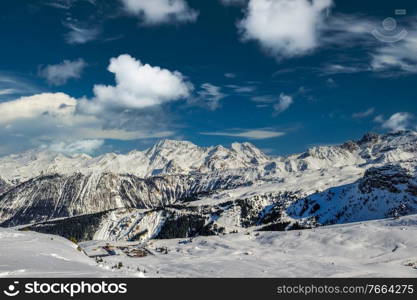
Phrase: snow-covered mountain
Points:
(166, 157)
(216, 188)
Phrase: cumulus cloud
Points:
(291, 28)
(284, 28)
(35, 106)
(53, 119)
(137, 86)
(129, 110)
(256, 134)
(398, 121)
(284, 102)
(60, 73)
(160, 11)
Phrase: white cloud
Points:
(290, 28)
(61, 4)
(256, 134)
(82, 146)
(242, 89)
(59, 74)
(160, 11)
(79, 34)
(7, 92)
(52, 119)
(331, 69)
(121, 134)
(128, 110)
(363, 114)
(209, 96)
(35, 106)
(331, 83)
(137, 86)
(284, 103)
(230, 75)
(379, 119)
(284, 28)
(392, 52)
(348, 30)
(66, 4)
(11, 85)
(399, 121)
(401, 56)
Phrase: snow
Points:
(330, 176)
(125, 224)
(183, 169)
(185, 156)
(384, 248)
(29, 254)
(305, 183)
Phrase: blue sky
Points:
(97, 76)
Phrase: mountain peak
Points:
(369, 138)
(167, 143)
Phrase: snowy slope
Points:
(386, 191)
(384, 248)
(29, 254)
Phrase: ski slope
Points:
(383, 248)
(30, 254)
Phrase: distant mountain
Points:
(176, 184)
(166, 157)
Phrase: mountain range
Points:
(178, 189)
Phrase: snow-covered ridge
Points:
(165, 157)
(182, 157)
(39, 186)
